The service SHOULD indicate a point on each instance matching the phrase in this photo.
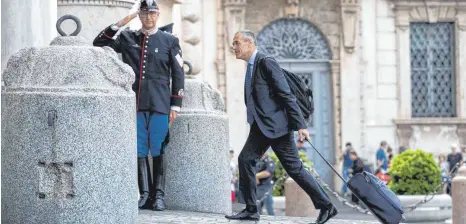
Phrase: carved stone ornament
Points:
(349, 17)
(234, 18)
(431, 11)
(292, 8)
(116, 3)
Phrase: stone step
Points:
(149, 217)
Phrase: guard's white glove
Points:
(135, 7)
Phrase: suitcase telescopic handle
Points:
(328, 163)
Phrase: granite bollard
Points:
(68, 136)
(197, 167)
(459, 196)
(298, 202)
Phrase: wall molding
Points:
(115, 3)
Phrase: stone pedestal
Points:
(458, 196)
(94, 14)
(197, 167)
(298, 202)
(26, 23)
(68, 136)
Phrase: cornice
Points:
(116, 3)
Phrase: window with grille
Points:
(432, 70)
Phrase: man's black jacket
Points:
(275, 105)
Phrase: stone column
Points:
(350, 75)
(461, 60)
(95, 15)
(197, 167)
(234, 70)
(404, 60)
(69, 151)
(335, 69)
(26, 23)
(458, 196)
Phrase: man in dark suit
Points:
(273, 114)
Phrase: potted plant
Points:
(415, 174)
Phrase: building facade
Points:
(391, 70)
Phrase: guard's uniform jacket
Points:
(154, 58)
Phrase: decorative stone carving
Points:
(119, 3)
(292, 8)
(349, 16)
(461, 17)
(404, 133)
(429, 11)
(461, 132)
(191, 12)
(402, 17)
(234, 18)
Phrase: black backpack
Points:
(303, 94)
(301, 91)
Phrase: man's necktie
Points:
(248, 89)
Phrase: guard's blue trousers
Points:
(152, 128)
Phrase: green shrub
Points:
(280, 171)
(414, 172)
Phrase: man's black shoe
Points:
(326, 214)
(145, 201)
(159, 204)
(244, 215)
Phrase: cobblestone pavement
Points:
(150, 217)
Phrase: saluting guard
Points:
(155, 56)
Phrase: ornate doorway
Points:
(301, 48)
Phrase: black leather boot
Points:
(145, 184)
(159, 183)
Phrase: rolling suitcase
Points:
(377, 197)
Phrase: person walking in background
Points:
(389, 155)
(265, 172)
(357, 166)
(445, 169)
(232, 175)
(454, 158)
(381, 158)
(347, 162)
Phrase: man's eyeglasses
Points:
(146, 13)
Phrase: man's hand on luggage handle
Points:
(304, 134)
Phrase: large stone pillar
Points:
(234, 73)
(69, 136)
(95, 15)
(197, 167)
(350, 75)
(26, 23)
(404, 60)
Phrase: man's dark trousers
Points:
(286, 151)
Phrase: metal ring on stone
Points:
(66, 17)
(190, 67)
